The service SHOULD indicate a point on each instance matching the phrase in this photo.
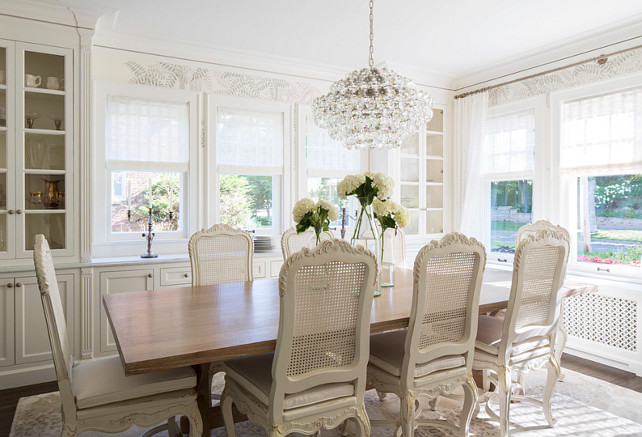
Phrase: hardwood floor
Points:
(9, 398)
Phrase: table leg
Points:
(204, 388)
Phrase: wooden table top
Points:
(176, 327)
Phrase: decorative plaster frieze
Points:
(590, 72)
(170, 75)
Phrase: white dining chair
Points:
(435, 354)
(562, 335)
(220, 254)
(525, 339)
(96, 394)
(291, 242)
(316, 377)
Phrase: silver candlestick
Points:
(150, 236)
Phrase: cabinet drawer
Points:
(275, 268)
(258, 269)
(175, 276)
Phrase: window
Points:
(148, 141)
(326, 163)
(600, 161)
(508, 171)
(250, 157)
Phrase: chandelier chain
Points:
(371, 59)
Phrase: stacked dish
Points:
(263, 243)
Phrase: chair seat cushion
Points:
(255, 375)
(387, 352)
(103, 382)
(489, 335)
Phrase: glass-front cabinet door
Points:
(36, 119)
(7, 159)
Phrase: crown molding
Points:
(206, 53)
(608, 39)
(53, 14)
(423, 78)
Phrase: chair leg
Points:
(485, 380)
(226, 409)
(343, 428)
(195, 421)
(470, 405)
(362, 422)
(382, 395)
(504, 392)
(67, 431)
(560, 344)
(553, 370)
(408, 414)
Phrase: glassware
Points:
(35, 153)
(36, 199)
(31, 118)
(371, 234)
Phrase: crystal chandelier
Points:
(372, 107)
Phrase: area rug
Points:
(583, 406)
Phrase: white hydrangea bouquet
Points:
(318, 215)
(390, 215)
(366, 188)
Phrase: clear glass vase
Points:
(387, 260)
(367, 233)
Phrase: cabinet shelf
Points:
(45, 211)
(434, 184)
(434, 133)
(44, 131)
(44, 91)
(434, 157)
(45, 172)
(3, 87)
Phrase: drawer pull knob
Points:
(18, 284)
(10, 285)
(149, 275)
(186, 275)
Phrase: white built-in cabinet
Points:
(23, 331)
(36, 140)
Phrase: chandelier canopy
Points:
(372, 107)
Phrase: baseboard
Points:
(628, 367)
(18, 377)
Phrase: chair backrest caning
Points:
(220, 254)
(291, 242)
(324, 325)
(55, 318)
(532, 228)
(447, 283)
(534, 305)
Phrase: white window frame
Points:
(215, 102)
(565, 198)
(108, 244)
(537, 175)
(305, 112)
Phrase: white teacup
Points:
(54, 83)
(32, 81)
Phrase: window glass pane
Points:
(510, 143)
(322, 152)
(147, 133)
(602, 130)
(130, 192)
(249, 138)
(250, 201)
(326, 188)
(610, 219)
(511, 208)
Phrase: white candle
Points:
(150, 193)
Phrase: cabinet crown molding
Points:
(56, 14)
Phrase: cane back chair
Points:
(316, 377)
(97, 395)
(435, 354)
(291, 242)
(525, 339)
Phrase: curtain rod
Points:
(601, 60)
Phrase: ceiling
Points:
(452, 38)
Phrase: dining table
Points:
(199, 325)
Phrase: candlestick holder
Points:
(150, 236)
(343, 223)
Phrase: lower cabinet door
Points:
(118, 282)
(32, 338)
(6, 323)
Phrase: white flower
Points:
(349, 184)
(301, 208)
(402, 217)
(384, 185)
(333, 212)
(382, 208)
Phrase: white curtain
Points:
(603, 131)
(470, 131)
(147, 135)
